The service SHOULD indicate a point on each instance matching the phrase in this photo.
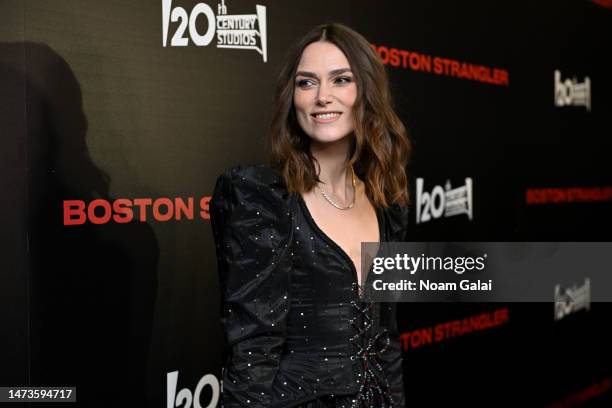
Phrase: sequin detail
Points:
(287, 311)
(374, 390)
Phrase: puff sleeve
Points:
(252, 232)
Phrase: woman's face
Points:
(325, 92)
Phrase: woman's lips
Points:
(327, 118)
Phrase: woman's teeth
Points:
(326, 115)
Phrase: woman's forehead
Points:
(322, 57)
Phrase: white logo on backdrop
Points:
(236, 31)
(572, 299)
(443, 202)
(572, 92)
(185, 396)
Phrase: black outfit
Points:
(298, 333)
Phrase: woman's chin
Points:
(328, 138)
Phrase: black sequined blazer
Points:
(295, 326)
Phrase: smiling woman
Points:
(289, 235)
(324, 99)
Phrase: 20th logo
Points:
(179, 14)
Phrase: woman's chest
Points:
(333, 243)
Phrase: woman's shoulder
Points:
(254, 182)
(398, 220)
(248, 197)
(257, 173)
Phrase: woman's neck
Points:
(332, 159)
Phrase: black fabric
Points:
(295, 326)
(331, 401)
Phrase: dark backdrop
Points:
(93, 106)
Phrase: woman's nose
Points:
(323, 101)
(324, 96)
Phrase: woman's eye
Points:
(304, 82)
(344, 80)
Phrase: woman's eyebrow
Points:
(331, 73)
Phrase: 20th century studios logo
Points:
(232, 31)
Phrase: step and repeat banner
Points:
(117, 117)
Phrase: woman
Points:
(289, 236)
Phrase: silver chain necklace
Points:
(326, 196)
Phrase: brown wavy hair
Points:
(380, 147)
